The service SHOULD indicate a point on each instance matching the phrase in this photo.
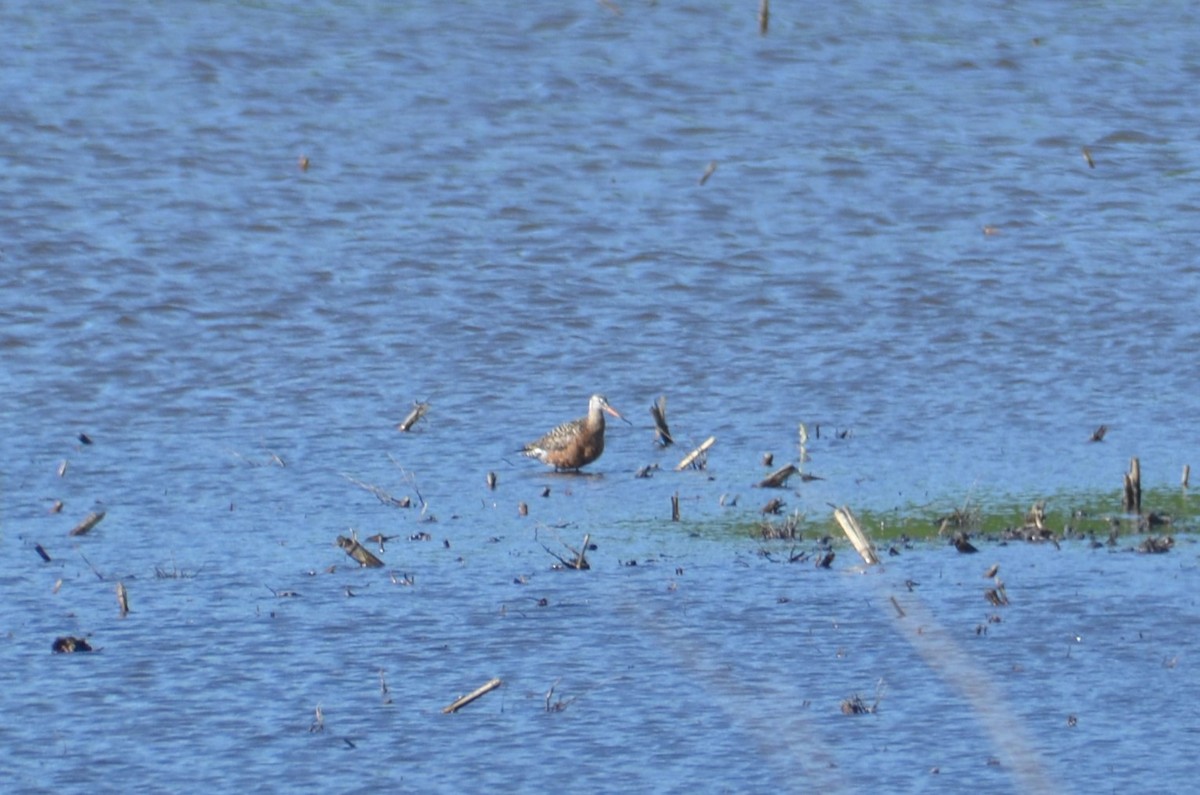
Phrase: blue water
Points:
(902, 246)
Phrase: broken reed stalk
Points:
(856, 534)
(778, 479)
(89, 521)
(467, 699)
(658, 410)
(418, 411)
(123, 599)
(1187, 473)
(675, 507)
(359, 552)
(580, 560)
(764, 16)
(1131, 502)
(380, 494)
(95, 571)
(691, 458)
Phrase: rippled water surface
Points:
(951, 241)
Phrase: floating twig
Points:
(42, 552)
(579, 561)
(89, 521)
(561, 704)
(359, 552)
(696, 458)
(764, 16)
(778, 479)
(174, 573)
(418, 411)
(658, 410)
(709, 170)
(412, 481)
(381, 494)
(467, 699)
(1087, 155)
(95, 571)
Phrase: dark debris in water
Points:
(856, 706)
(1155, 545)
(68, 645)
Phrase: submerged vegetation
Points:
(1092, 516)
(1060, 516)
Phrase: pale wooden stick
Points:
(699, 451)
(467, 699)
(418, 411)
(89, 521)
(856, 535)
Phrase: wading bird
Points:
(576, 443)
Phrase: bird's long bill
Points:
(615, 413)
